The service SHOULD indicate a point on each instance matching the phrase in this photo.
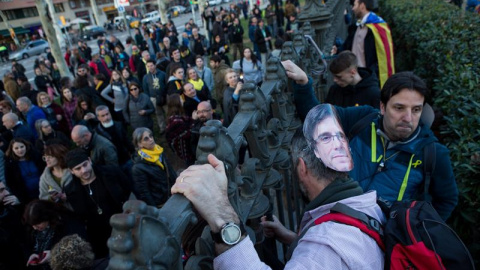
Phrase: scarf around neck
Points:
(153, 156)
(198, 84)
(336, 191)
(339, 189)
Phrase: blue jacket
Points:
(403, 162)
(33, 114)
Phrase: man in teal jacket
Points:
(388, 153)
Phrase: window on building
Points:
(59, 7)
(21, 13)
(30, 12)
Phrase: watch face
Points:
(231, 234)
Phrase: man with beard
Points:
(95, 193)
(115, 132)
(102, 151)
(370, 40)
(321, 159)
(203, 113)
(393, 147)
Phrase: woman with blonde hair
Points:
(54, 112)
(47, 135)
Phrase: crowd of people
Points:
(106, 115)
(105, 112)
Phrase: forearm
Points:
(105, 93)
(237, 256)
(443, 185)
(304, 98)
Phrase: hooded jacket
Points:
(365, 92)
(403, 162)
(154, 85)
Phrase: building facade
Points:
(22, 15)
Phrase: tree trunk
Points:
(10, 28)
(201, 9)
(47, 25)
(162, 11)
(93, 5)
(54, 17)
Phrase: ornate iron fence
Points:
(145, 237)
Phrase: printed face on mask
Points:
(331, 145)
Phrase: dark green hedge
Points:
(433, 39)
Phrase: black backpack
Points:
(414, 237)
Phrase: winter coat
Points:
(230, 106)
(133, 106)
(263, 45)
(151, 183)
(365, 92)
(48, 183)
(387, 182)
(14, 179)
(102, 151)
(174, 86)
(11, 87)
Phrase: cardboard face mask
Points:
(331, 144)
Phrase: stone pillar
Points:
(319, 17)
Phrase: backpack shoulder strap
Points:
(344, 214)
(241, 65)
(361, 124)
(429, 157)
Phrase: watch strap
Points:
(217, 237)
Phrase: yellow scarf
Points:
(198, 84)
(98, 85)
(154, 156)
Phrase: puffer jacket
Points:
(151, 183)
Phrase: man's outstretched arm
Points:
(303, 91)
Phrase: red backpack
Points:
(414, 237)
